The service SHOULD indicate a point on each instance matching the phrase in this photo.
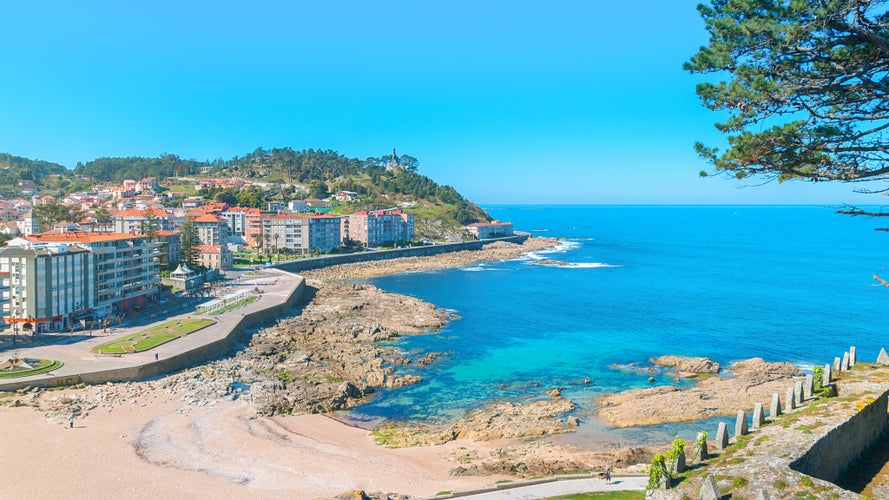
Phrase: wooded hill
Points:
(284, 173)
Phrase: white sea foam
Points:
(482, 266)
(562, 247)
(479, 269)
(578, 265)
(531, 256)
(806, 367)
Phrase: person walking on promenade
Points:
(607, 476)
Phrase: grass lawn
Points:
(153, 337)
(42, 366)
(605, 495)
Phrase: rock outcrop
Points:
(503, 420)
(690, 365)
(754, 380)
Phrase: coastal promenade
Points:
(551, 487)
(279, 292)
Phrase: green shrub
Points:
(657, 472)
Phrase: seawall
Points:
(352, 258)
(233, 324)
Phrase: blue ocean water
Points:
(786, 283)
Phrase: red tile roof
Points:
(79, 237)
(135, 212)
(208, 218)
(211, 249)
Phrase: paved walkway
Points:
(562, 487)
(74, 349)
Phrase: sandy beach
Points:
(156, 446)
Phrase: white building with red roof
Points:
(215, 257)
(493, 229)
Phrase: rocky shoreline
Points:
(496, 251)
(329, 356)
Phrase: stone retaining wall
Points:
(175, 362)
(352, 258)
(834, 453)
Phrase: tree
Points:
(226, 196)
(409, 162)
(251, 197)
(102, 216)
(149, 225)
(188, 242)
(276, 235)
(51, 213)
(804, 86)
(318, 189)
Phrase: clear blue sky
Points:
(510, 102)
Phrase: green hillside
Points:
(283, 174)
(45, 175)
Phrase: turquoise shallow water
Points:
(783, 283)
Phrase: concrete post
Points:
(846, 361)
(798, 392)
(704, 453)
(680, 466)
(836, 365)
(759, 417)
(741, 425)
(721, 436)
(775, 408)
(808, 386)
(852, 356)
(710, 490)
(790, 402)
(883, 358)
(827, 376)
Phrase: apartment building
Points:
(45, 288)
(212, 229)
(375, 228)
(131, 220)
(236, 217)
(123, 267)
(301, 232)
(169, 248)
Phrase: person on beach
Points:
(71, 421)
